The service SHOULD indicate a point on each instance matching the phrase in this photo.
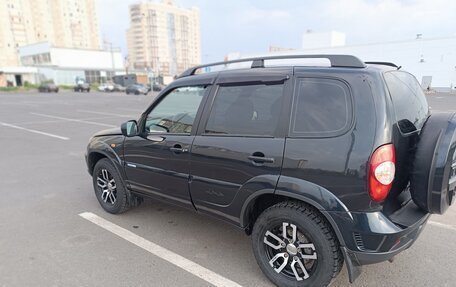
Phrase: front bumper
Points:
(374, 237)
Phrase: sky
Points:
(252, 26)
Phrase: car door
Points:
(157, 161)
(239, 146)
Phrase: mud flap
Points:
(354, 269)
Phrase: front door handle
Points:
(177, 148)
(261, 159)
(155, 138)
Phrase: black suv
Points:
(321, 165)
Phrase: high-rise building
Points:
(63, 23)
(163, 38)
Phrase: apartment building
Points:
(163, 38)
(63, 23)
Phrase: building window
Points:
(92, 77)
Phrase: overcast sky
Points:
(251, 26)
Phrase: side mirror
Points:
(130, 128)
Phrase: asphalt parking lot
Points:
(44, 187)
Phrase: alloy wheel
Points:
(290, 252)
(107, 186)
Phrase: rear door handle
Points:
(177, 148)
(261, 159)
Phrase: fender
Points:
(103, 146)
(310, 193)
(315, 195)
(320, 198)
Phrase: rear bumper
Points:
(369, 238)
(402, 240)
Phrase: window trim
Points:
(210, 104)
(160, 97)
(350, 112)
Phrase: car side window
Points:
(245, 110)
(408, 99)
(321, 107)
(176, 112)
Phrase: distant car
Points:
(156, 87)
(137, 89)
(48, 88)
(82, 87)
(106, 88)
(119, 88)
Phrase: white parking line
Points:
(34, 131)
(74, 120)
(173, 258)
(106, 114)
(132, 110)
(442, 225)
(58, 121)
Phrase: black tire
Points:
(312, 227)
(432, 182)
(121, 204)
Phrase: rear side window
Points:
(409, 101)
(246, 110)
(321, 108)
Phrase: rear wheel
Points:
(294, 246)
(109, 188)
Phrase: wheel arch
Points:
(257, 202)
(99, 149)
(93, 158)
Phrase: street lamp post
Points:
(112, 58)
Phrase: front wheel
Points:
(294, 246)
(109, 188)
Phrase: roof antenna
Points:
(398, 68)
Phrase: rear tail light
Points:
(382, 167)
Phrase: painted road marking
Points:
(442, 225)
(34, 131)
(165, 254)
(74, 120)
(57, 121)
(106, 114)
(131, 110)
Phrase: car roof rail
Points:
(382, 63)
(346, 61)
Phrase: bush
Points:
(8, 89)
(66, 87)
(28, 85)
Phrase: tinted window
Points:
(321, 107)
(176, 112)
(409, 101)
(246, 110)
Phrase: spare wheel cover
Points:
(433, 178)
